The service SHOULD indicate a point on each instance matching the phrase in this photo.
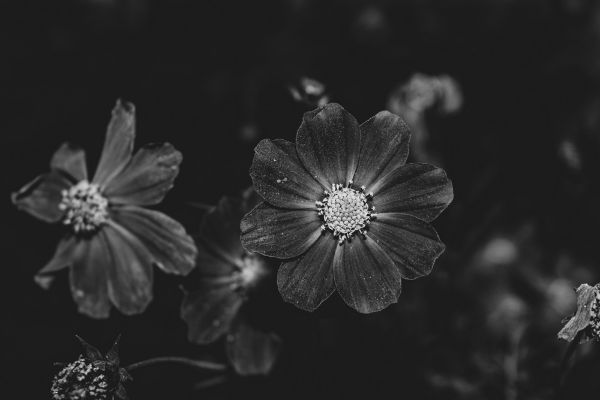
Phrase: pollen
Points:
(86, 209)
(81, 380)
(346, 211)
(595, 315)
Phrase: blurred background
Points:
(503, 94)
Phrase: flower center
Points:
(345, 211)
(252, 271)
(595, 315)
(81, 380)
(85, 207)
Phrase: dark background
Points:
(211, 77)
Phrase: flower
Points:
(113, 240)
(92, 376)
(228, 277)
(586, 321)
(319, 211)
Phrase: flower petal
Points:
(147, 178)
(279, 233)
(279, 177)
(586, 295)
(307, 281)
(130, 274)
(63, 257)
(42, 196)
(365, 277)
(90, 352)
(252, 352)
(421, 190)
(88, 277)
(412, 244)
(210, 312)
(328, 143)
(118, 144)
(70, 159)
(384, 147)
(172, 249)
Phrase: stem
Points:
(564, 364)
(181, 360)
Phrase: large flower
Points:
(321, 195)
(227, 278)
(112, 241)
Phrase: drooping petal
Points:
(412, 244)
(118, 144)
(147, 178)
(279, 233)
(210, 312)
(42, 196)
(328, 143)
(384, 147)
(63, 257)
(421, 190)
(279, 177)
(172, 249)
(112, 355)
(70, 159)
(130, 274)
(307, 281)
(88, 277)
(586, 295)
(252, 352)
(365, 277)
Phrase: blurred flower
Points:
(319, 210)
(423, 92)
(228, 278)
(92, 376)
(587, 318)
(310, 92)
(113, 241)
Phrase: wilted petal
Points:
(63, 257)
(42, 196)
(147, 178)
(384, 147)
(412, 244)
(130, 274)
(307, 281)
(118, 144)
(421, 190)
(365, 277)
(172, 249)
(328, 143)
(70, 159)
(252, 352)
(88, 277)
(586, 295)
(90, 352)
(279, 233)
(280, 178)
(209, 313)
(112, 355)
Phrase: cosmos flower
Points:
(586, 321)
(112, 240)
(92, 376)
(229, 278)
(345, 211)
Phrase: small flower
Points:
(587, 317)
(345, 211)
(229, 277)
(92, 376)
(112, 240)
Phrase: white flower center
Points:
(345, 211)
(595, 315)
(85, 207)
(252, 271)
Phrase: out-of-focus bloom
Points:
(92, 376)
(423, 92)
(321, 195)
(587, 317)
(113, 240)
(310, 92)
(229, 276)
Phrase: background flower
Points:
(113, 240)
(326, 190)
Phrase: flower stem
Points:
(181, 360)
(564, 364)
